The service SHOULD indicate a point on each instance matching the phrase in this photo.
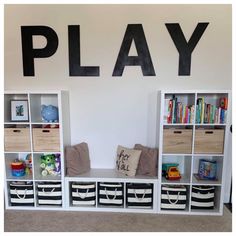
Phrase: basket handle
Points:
(173, 203)
(47, 192)
(140, 198)
(80, 194)
(107, 194)
(17, 194)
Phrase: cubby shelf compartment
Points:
(207, 141)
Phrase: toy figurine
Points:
(48, 164)
(49, 113)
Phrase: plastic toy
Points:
(48, 164)
(49, 113)
(17, 168)
(28, 164)
(173, 173)
(57, 168)
(166, 166)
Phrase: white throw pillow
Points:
(127, 160)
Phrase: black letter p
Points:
(29, 53)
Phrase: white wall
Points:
(106, 111)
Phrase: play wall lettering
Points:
(134, 33)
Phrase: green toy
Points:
(48, 164)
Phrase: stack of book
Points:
(177, 112)
(211, 114)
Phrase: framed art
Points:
(19, 110)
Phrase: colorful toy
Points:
(173, 173)
(28, 164)
(17, 168)
(166, 166)
(50, 165)
(207, 169)
(57, 164)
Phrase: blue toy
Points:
(49, 113)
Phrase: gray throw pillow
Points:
(77, 159)
(148, 160)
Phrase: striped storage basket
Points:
(83, 194)
(49, 193)
(202, 197)
(21, 194)
(173, 197)
(110, 194)
(139, 195)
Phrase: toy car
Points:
(173, 173)
(166, 166)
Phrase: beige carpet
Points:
(63, 221)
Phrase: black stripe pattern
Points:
(202, 197)
(139, 195)
(21, 194)
(49, 193)
(110, 194)
(173, 197)
(83, 193)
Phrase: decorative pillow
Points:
(127, 160)
(148, 160)
(77, 159)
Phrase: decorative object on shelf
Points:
(83, 194)
(207, 169)
(165, 167)
(173, 197)
(148, 160)
(17, 168)
(49, 113)
(139, 195)
(50, 164)
(77, 159)
(110, 194)
(19, 110)
(21, 193)
(127, 160)
(49, 193)
(202, 197)
(170, 171)
(28, 164)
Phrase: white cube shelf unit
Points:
(20, 143)
(193, 127)
(96, 177)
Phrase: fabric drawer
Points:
(21, 194)
(46, 139)
(202, 197)
(139, 195)
(177, 140)
(110, 194)
(17, 139)
(83, 194)
(49, 193)
(173, 197)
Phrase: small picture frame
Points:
(19, 110)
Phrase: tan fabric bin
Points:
(177, 140)
(17, 140)
(46, 139)
(209, 141)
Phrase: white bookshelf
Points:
(35, 99)
(189, 162)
